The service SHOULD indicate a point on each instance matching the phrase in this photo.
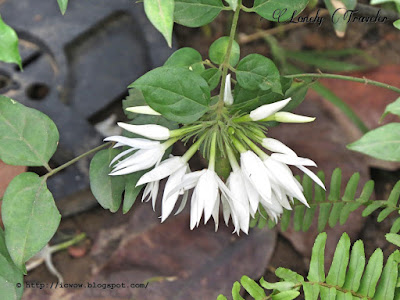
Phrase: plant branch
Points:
(71, 162)
(225, 65)
(348, 78)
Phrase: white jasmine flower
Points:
(206, 195)
(148, 154)
(267, 110)
(151, 131)
(240, 202)
(228, 98)
(144, 110)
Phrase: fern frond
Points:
(349, 277)
(333, 208)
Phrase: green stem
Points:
(253, 146)
(71, 162)
(225, 65)
(213, 151)
(348, 78)
(66, 244)
(193, 149)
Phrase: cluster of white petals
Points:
(259, 180)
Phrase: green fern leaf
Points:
(252, 288)
(337, 272)
(372, 273)
(356, 267)
(317, 272)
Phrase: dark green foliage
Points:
(332, 208)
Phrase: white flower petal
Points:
(194, 215)
(314, 177)
(122, 154)
(168, 202)
(256, 173)
(267, 110)
(185, 198)
(277, 146)
(144, 110)
(151, 131)
(215, 213)
(207, 189)
(166, 168)
(136, 143)
(293, 160)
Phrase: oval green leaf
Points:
(10, 276)
(256, 72)
(213, 77)
(178, 94)
(9, 44)
(30, 217)
(219, 48)
(188, 58)
(27, 136)
(106, 189)
(196, 13)
(382, 143)
(279, 10)
(161, 15)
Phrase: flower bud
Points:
(151, 131)
(287, 117)
(267, 110)
(144, 110)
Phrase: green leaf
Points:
(9, 45)
(179, 95)
(382, 143)
(10, 276)
(337, 9)
(328, 293)
(316, 272)
(356, 267)
(286, 295)
(196, 13)
(372, 273)
(188, 58)
(258, 72)
(392, 108)
(236, 291)
(161, 15)
(63, 5)
(213, 77)
(337, 272)
(135, 98)
(27, 136)
(252, 288)
(289, 275)
(387, 283)
(279, 10)
(131, 190)
(219, 48)
(397, 24)
(393, 238)
(106, 189)
(279, 286)
(30, 217)
(221, 297)
(311, 291)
